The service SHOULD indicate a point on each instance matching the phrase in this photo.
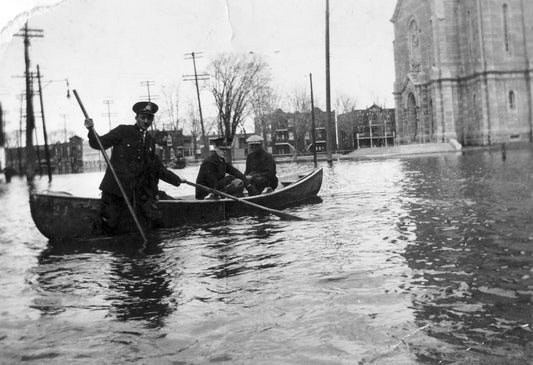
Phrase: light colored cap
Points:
(254, 139)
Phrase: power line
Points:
(148, 84)
(108, 102)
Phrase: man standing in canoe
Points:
(137, 166)
(260, 167)
(217, 174)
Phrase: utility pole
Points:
(196, 78)
(148, 84)
(39, 167)
(46, 149)
(19, 135)
(30, 117)
(313, 128)
(329, 146)
(108, 102)
(149, 97)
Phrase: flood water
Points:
(414, 260)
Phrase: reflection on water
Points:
(472, 254)
(141, 289)
(414, 260)
(230, 259)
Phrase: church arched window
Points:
(506, 38)
(512, 100)
(414, 44)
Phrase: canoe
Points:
(62, 216)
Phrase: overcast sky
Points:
(107, 48)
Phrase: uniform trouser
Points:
(233, 186)
(114, 209)
(258, 184)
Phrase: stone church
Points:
(463, 71)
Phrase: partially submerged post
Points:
(46, 149)
(313, 127)
(329, 133)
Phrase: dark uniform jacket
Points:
(212, 174)
(261, 164)
(134, 160)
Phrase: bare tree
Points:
(235, 80)
(346, 122)
(264, 103)
(211, 124)
(299, 103)
(170, 97)
(345, 104)
(2, 130)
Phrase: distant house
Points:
(371, 127)
(283, 141)
(291, 133)
(68, 157)
(173, 143)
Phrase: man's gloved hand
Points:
(89, 123)
(181, 181)
(251, 190)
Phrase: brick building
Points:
(291, 133)
(66, 157)
(463, 71)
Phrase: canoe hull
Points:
(60, 216)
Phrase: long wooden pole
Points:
(124, 195)
(257, 206)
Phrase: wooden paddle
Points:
(124, 195)
(257, 206)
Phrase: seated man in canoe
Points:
(179, 162)
(216, 173)
(260, 168)
(137, 166)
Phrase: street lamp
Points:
(66, 80)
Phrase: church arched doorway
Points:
(411, 122)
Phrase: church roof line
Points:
(396, 11)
